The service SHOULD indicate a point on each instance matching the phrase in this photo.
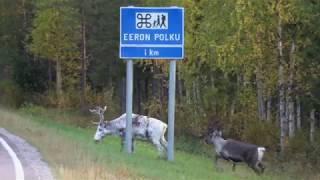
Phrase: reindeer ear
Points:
(105, 108)
(92, 110)
(220, 133)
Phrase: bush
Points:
(68, 99)
(262, 133)
(193, 145)
(300, 148)
(10, 94)
(156, 108)
(105, 97)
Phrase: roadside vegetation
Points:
(71, 153)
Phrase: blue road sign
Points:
(151, 33)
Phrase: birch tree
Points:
(55, 36)
(281, 86)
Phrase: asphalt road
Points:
(19, 160)
(7, 170)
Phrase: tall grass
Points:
(71, 153)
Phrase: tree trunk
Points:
(291, 119)
(139, 100)
(290, 103)
(261, 102)
(179, 86)
(24, 28)
(83, 65)
(123, 95)
(59, 81)
(50, 75)
(268, 109)
(194, 92)
(298, 112)
(282, 114)
(188, 95)
(312, 124)
(233, 107)
(146, 88)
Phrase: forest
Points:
(253, 66)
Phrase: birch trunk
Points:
(198, 92)
(146, 88)
(83, 65)
(59, 82)
(188, 96)
(282, 114)
(24, 27)
(179, 86)
(298, 112)
(312, 124)
(50, 75)
(233, 107)
(261, 102)
(139, 98)
(268, 118)
(290, 103)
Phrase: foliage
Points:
(56, 32)
(10, 94)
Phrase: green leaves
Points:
(56, 32)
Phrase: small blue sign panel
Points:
(151, 33)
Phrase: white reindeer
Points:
(143, 127)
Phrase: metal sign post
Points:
(151, 33)
(129, 92)
(171, 104)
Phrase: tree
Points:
(55, 35)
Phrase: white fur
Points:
(261, 151)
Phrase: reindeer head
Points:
(102, 129)
(213, 132)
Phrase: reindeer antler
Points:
(95, 123)
(214, 125)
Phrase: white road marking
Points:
(17, 164)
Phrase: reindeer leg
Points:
(159, 147)
(164, 145)
(132, 147)
(163, 139)
(163, 142)
(234, 167)
(256, 169)
(262, 167)
(216, 163)
(123, 141)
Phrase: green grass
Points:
(72, 154)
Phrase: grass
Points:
(72, 154)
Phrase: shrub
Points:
(262, 133)
(10, 94)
